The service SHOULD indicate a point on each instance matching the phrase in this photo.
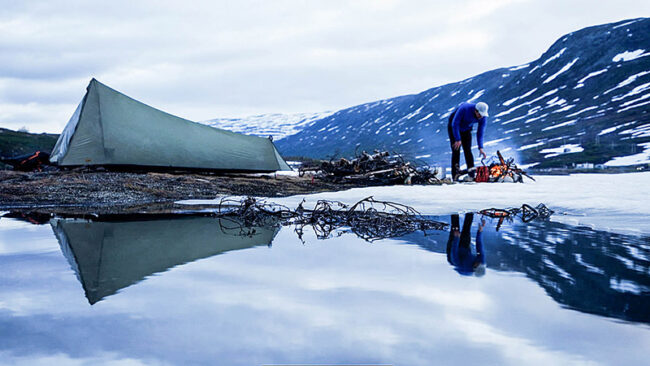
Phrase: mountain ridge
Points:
(583, 100)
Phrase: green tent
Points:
(110, 129)
(111, 255)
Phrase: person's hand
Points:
(482, 153)
(457, 233)
(457, 145)
(482, 225)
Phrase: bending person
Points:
(459, 129)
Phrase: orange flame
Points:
(497, 170)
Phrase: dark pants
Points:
(466, 141)
(466, 233)
(465, 241)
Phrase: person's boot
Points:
(454, 173)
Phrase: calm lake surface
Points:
(199, 290)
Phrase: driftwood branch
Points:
(369, 219)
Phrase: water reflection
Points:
(340, 301)
(459, 247)
(108, 256)
(591, 271)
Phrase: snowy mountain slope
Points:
(586, 99)
(277, 125)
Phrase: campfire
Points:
(503, 169)
(497, 170)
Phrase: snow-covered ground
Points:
(614, 202)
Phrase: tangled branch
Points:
(369, 219)
(380, 168)
(526, 212)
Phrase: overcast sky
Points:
(238, 58)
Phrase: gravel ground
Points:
(116, 192)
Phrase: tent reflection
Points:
(110, 255)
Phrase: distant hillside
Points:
(276, 124)
(17, 143)
(586, 99)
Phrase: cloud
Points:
(247, 57)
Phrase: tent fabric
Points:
(108, 256)
(63, 142)
(110, 128)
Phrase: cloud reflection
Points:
(336, 301)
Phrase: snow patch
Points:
(633, 106)
(564, 149)
(639, 89)
(536, 118)
(612, 129)
(510, 101)
(526, 147)
(621, 285)
(640, 158)
(565, 108)
(638, 131)
(581, 111)
(425, 117)
(626, 23)
(628, 81)
(519, 67)
(556, 101)
(494, 142)
(590, 75)
(548, 93)
(557, 55)
(382, 127)
(413, 114)
(567, 123)
(476, 96)
(526, 166)
(630, 55)
(646, 96)
(562, 70)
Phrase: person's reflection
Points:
(459, 247)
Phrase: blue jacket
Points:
(463, 121)
(462, 256)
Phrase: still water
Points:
(200, 290)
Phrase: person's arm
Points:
(454, 250)
(455, 123)
(479, 243)
(479, 135)
(480, 131)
